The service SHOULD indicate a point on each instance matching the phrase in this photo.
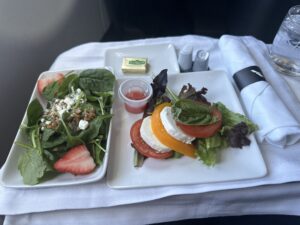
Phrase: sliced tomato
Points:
(44, 82)
(142, 147)
(203, 131)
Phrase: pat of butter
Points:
(134, 65)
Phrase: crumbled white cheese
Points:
(69, 101)
(83, 124)
(59, 106)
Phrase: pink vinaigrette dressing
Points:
(135, 95)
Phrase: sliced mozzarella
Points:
(150, 138)
(171, 127)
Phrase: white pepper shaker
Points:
(185, 58)
(201, 61)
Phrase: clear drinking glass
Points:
(285, 50)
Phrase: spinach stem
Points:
(23, 145)
(172, 95)
(81, 95)
(66, 128)
(99, 146)
(33, 138)
(38, 142)
(100, 100)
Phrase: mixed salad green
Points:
(213, 124)
(78, 112)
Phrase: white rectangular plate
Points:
(11, 177)
(162, 56)
(235, 164)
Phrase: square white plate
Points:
(11, 177)
(162, 56)
(235, 164)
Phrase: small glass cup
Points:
(285, 50)
(135, 93)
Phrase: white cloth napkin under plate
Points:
(96, 203)
(277, 124)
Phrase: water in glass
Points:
(285, 50)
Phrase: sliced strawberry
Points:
(77, 161)
(44, 82)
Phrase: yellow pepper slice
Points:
(162, 135)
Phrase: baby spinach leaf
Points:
(96, 80)
(93, 129)
(74, 83)
(189, 112)
(33, 166)
(53, 140)
(97, 151)
(34, 112)
(63, 89)
(51, 90)
(47, 133)
(71, 140)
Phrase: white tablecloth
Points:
(84, 205)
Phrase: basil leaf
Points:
(34, 113)
(189, 112)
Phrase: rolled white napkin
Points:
(277, 125)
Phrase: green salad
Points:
(69, 134)
(187, 124)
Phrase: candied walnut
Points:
(89, 114)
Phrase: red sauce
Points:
(135, 95)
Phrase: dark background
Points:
(133, 19)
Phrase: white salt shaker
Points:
(201, 61)
(185, 58)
